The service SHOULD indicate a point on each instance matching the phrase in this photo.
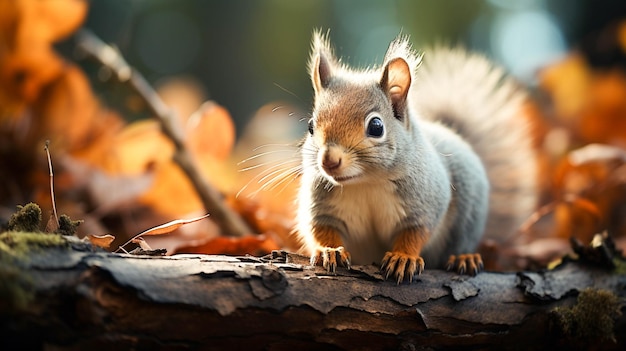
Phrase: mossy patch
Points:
(16, 289)
(23, 236)
(26, 219)
(592, 317)
(67, 226)
(19, 244)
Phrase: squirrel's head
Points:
(360, 118)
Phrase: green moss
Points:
(67, 226)
(19, 244)
(16, 289)
(592, 317)
(26, 219)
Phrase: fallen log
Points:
(84, 298)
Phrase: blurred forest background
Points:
(239, 51)
(235, 74)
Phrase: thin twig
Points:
(229, 221)
(54, 206)
(162, 229)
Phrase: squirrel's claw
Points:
(400, 265)
(330, 257)
(470, 263)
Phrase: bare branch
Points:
(229, 221)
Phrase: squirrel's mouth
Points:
(342, 180)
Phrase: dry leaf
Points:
(52, 225)
(170, 226)
(103, 241)
(164, 228)
(257, 245)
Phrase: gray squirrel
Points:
(409, 164)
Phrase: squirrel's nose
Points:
(330, 163)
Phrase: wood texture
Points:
(87, 299)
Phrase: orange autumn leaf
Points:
(210, 135)
(585, 205)
(264, 217)
(136, 148)
(72, 117)
(103, 241)
(257, 245)
(27, 30)
(604, 119)
(587, 169)
(591, 104)
(590, 187)
(31, 21)
(567, 82)
(171, 193)
(211, 131)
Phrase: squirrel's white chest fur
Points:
(370, 212)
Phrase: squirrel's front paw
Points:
(470, 263)
(400, 265)
(329, 257)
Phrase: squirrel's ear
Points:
(396, 81)
(321, 72)
(322, 61)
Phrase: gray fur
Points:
(475, 99)
(443, 168)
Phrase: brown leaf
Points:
(256, 245)
(103, 241)
(52, 225)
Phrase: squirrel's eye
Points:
(375, 128)
(311, 126)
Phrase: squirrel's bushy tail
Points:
(471, 95)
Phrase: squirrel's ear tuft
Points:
(396, 81)
(321, 62)
(400, 64)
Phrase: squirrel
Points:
(408, 164)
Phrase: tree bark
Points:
(88, 299)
